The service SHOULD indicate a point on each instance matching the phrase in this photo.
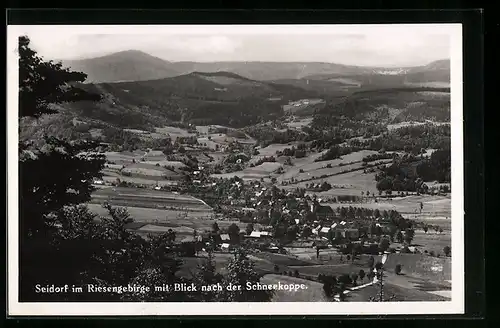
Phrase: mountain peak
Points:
(128, 65)
(131, 54)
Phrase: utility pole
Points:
(381, 284)
(380, 274)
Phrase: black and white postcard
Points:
(235, 170)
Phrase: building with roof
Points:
(324, 231)
(351, 234)
(225, 247)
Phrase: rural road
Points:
(337, 298)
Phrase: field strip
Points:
(182, 198)
(161, 197)
(318, 266)
(443, 293)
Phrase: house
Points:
(412, 249)
(273, 249)
(254, 234)
(225, 237)
(259, 234)
(321, 211)
(189, 239)
(351, 234)
(324, 231)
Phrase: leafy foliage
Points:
(241, 270)
(42, 83)
(70, 170)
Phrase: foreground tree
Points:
(208, 276)
(52, 176)
(384, 244)
(409, 235)
(362, 274)
(68, 168)
(242, 271)
(234, 232)
(44, 83)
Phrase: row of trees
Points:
(298, 152)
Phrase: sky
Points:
(381, 45)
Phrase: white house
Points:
(325, 230)
(225, 247)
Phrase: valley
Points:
(318, 169)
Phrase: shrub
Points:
(371, 262)
(354, 277)
(300, 153)
(345, 279)
(384, 244)
(296, 273)
(397, 269)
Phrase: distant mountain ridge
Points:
(130, 65)
(135, 65)
(199, 97)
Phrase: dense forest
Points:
(409, 139)
(409, 173)
(390, 106)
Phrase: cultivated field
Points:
(272, 149)
(198, 220)
(434, 207)
(432, 241)
(174, 132)
(150, 170)
(122, 158)
(298, 124)
(111, 177)
(122, 196)
(263, 170)
(434, 84)
(399, 293)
